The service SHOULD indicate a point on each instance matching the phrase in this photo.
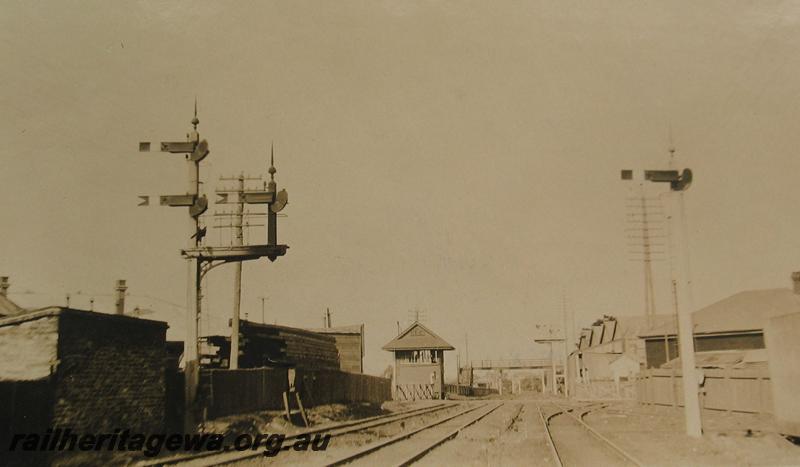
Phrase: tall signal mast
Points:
(201, 259)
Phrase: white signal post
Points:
(679, 183)
(191, 345)
(194, 151)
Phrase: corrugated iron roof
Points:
(417, 336)
(741, 312)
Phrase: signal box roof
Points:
(417, 337)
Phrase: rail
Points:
(371, 448)
(210, 458)
(605, 441)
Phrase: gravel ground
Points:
(655, 435)
(511, 435)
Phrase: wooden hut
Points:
(418, 363)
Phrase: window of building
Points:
(421, 357)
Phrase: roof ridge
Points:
(442, 344)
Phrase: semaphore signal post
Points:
(202, 258)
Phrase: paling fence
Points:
(603, 390)
(229, 392)
(739, 390)
(468, 390)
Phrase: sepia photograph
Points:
(545, 233)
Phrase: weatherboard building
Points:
(418, 363)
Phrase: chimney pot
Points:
(120, 304)
(4, 285)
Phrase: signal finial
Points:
(272, 169)
(195, 120)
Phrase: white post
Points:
(691, 400)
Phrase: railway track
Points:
(571, 440)
(515, 418)
(408, 447)
(604, 452)
(210, 458)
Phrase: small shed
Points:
(418, 363)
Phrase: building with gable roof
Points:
(418, 363)
(735, 323)
(606, 341)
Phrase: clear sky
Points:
(460, 158)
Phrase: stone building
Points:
(90, 372)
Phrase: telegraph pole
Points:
(643, 236)
(566, 344)
(233, 361)
(237, 223)
(466, 349)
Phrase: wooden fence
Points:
(228, 392)
(739, 390)
(468, 391)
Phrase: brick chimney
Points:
(4, 285)
(121, 288)
(796, 282)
